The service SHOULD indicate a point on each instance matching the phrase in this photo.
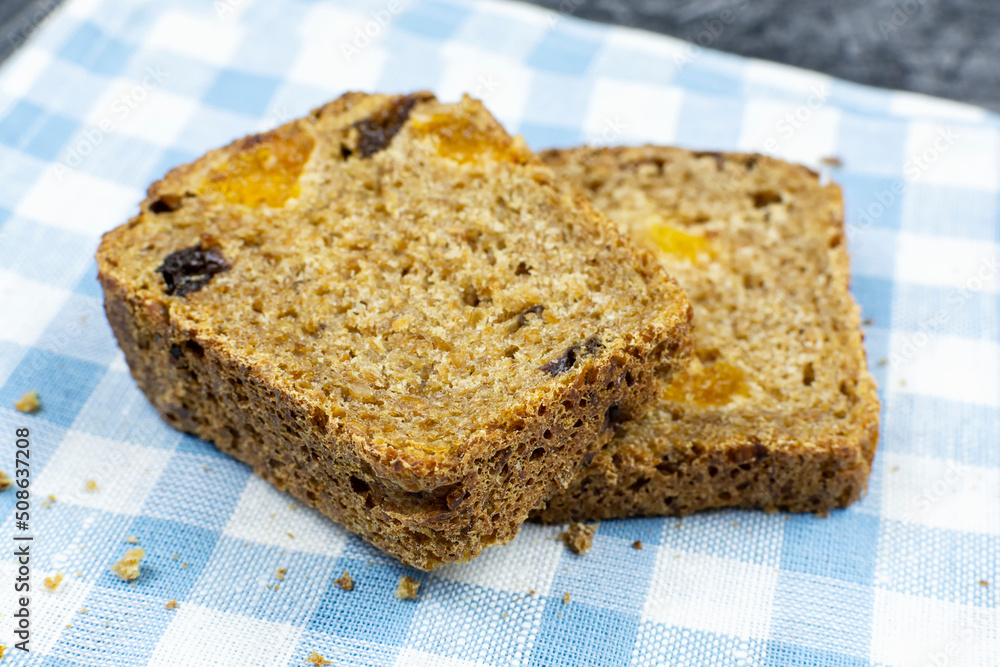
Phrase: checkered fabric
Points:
(107, 95)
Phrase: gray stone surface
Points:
(18, 18)
(948, 48)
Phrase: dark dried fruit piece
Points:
(377, 130)
(562, 363)
(569, 357)
(188, 270)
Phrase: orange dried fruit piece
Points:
(266, 171)
(459, 139)
(715, 384)
(675, 242)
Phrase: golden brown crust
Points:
(790, 422)
(235, 359)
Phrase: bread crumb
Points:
(83, 611)
(28, 403)
(868, 321)
(132, 539)
(883, 361)
(678, 525)
(184, 565)
(345, 582)
(280, 574)
(90, 486)
(565, 598)
(128, 567)
(637, 545)
(176, 556)
(3, 649)
(831, 161)
(318, 660)
(5, 481)
(983, 582)
(291, 536)
(531, 592)
(52, 583)
(578, 537)
(894, 469)
(172, 604)
(408, 588)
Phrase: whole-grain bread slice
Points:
(388, 309)
(777, 409)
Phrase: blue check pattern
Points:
(107, 95)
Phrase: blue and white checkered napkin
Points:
(108, 94)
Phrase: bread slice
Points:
(389, 310)
(777, 409)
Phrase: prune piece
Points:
(562, 363)
(376, 131)
(522, 319)
(569, 357)
(612, 417)
(188, 270)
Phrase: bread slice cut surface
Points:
(388, 309)
(776, 409)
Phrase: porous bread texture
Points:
(389, 310)
(777, 409)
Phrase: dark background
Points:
(948, 48)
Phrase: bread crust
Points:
(682, 457)
(425, 503)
